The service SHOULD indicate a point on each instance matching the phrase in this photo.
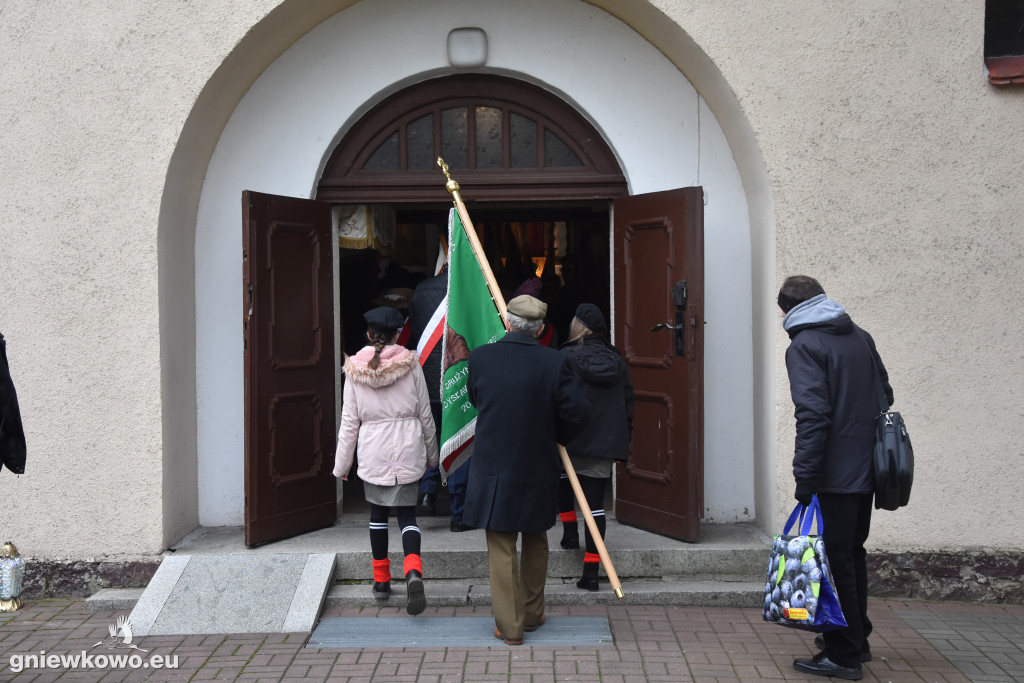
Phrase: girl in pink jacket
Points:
(386, 413)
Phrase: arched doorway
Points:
(546, 178)
(240, 137)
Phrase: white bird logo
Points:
(121, 630)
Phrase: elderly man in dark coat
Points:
(528, 400)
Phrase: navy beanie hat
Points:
(591, 316)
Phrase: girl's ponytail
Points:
(379, 341)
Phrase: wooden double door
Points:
(290, 429)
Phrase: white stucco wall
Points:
(272, 145)
(871, 149)
(895, 171)
(92, 98)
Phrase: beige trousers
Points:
(517, 590)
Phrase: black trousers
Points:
(847, 521)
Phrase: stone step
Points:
(736, 550)
(628, 563)
(739, 550)
(726, 568)
(725, 591)
(712, 592)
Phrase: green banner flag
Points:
(471, 320)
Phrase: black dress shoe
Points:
(458, 526)
(865, 653)
(426, 506)
(381, 590)
(823, 666)
(417, 599)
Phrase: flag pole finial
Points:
(452, 186)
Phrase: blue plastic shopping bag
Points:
(799, 591)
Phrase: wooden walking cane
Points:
(492, 284)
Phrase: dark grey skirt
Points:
(396, 495)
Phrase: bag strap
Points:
(813, 515)
(883, 402)
(795, 517)
(803, 516)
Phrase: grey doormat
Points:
(454, 632)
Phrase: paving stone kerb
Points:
(650, 643)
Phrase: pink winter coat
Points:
(387, 413)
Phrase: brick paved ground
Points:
(651, 644)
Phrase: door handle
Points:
(679, 296)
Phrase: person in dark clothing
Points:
(832, 382)
(528, 401)
(606, 439)
(534, 286)
(12, 433)
(428, 295)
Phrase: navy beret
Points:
(384, 319)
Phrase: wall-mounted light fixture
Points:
(467, 47)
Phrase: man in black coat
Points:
(528, 400)
(12, 434)
(428, 295)
(832, 376)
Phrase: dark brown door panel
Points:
(659, 281)
(289, 367)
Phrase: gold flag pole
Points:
(492, 285)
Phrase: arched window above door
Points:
(503, 140)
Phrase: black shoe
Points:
(414, 591)
(570, 535)
(426, 506)
(588, 581)
(381, 590)
(865, 653)
(823, 666)
(458, 526)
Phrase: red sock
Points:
(591, 558)
(567, 516)
(382, 570)
(412, 561)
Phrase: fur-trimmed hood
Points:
(395, 363)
